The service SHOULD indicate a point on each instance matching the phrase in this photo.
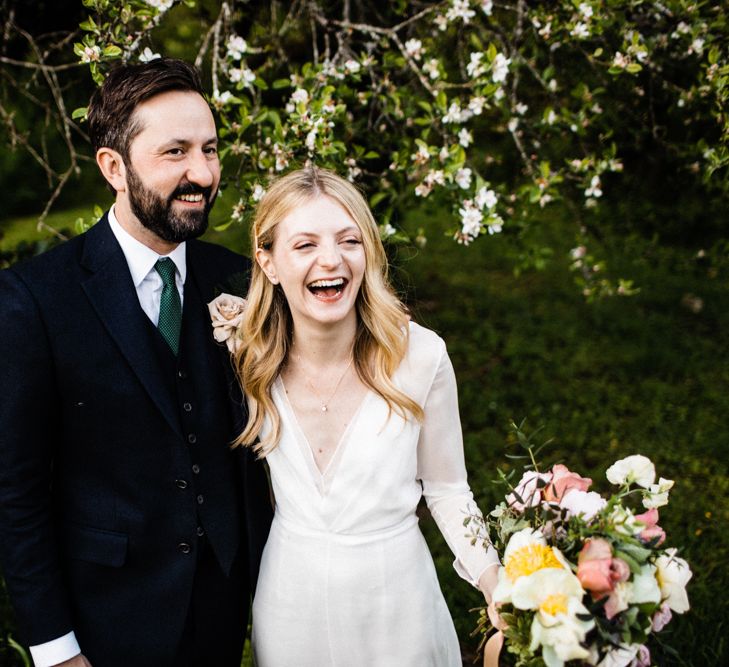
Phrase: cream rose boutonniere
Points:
(226, 313)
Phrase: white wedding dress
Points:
(346, 578)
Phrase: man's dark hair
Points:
(112, 106)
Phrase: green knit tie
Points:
(170, 308)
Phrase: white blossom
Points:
(500, 68)
(91, 54)
(311, 139)
(352, 66)
(160, 5)
(237, 46)
(463, 178)
(585, 10)
(387, 230)
(697, 46)
(460, 9)
(258, 192)
(475, 67)
(595, 188)
(512, 124)
(579, 252)
(476, 105)
(619, 60)
(521, 108)
(495, 225)
(414, 48)
(551, 117)
(581, 31)
(441, 21)
(486, 198)
(147, 55)
(636, 469)
(421, 156)
(465, 138)
(431, 68)
(455, 114)
(223, 98)
(300, 95)
(471, 219)
(487, 6)
(243, 74)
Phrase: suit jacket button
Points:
(181, 483)
(182, 375)
(184, 547)
(187, 407)
(200, 531)
(191, 438)
(195, 468)
(200, 500)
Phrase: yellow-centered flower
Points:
(554, 604)
(530, 559)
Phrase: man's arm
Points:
(30, 431)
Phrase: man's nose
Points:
(201, 169)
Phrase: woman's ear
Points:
(112, 168)
(263, 257)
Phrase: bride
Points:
(355, 410)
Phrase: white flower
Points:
(487, 6)
(300, 95)
(636, 469)
(495, 225)
(475, 67)
(595, 188)
(435, 176)
(352, 66)
(422, 155)
(579, 252)
(528, 491)
(551, 117)
(499, 94)
(521, 108)
(513, 124)
(441, 21)
(697, 46)
(160, 5)
(460, 10)
(621, 656)
(91, 54)
(387, 230)
(310, 140)
(226, 312)
(243, 74)
(581, 31)
(585, 10)
(455, 114)
(147, 55)
(582, 503)
(471, 219)
(258, 192)
(414, 48)
(223, 98)
(556, 595)
(619, 60)
(500, 68)
(643, 587)
(237, 46)
(657, 494)
(476, 104)
(465, 138)
(673, 573)
(486, 197)
(431, 68)
(463, 178)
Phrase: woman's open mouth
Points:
(328, 290)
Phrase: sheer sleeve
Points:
(442, 471)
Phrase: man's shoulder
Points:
(219, 253)
(47, 266)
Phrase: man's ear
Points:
(263, 257)
(112, 168)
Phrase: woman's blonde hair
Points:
(266, 335)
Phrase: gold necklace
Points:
(325, 404)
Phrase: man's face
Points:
(173, 170)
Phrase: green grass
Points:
(638, 375)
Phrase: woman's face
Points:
(319, 260)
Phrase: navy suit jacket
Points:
(91, 519)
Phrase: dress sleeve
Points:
(442, 471)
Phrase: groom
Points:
(130, 532)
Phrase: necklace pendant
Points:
(324, 408)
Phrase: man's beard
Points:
(156, 213)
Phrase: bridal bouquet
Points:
(585, 578)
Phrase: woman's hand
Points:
(487, 583)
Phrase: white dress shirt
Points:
(148, 283)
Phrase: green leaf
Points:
(223, 226)
(79, 113)
(633, 68)
(281, 83)
(112, 51)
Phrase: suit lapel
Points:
(111, 292)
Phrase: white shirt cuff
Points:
(55, 651)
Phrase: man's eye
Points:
(211, 150)
(174, 151)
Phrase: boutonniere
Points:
(226, 313)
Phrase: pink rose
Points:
(661, 618)
(562, 481)
(642, 658)
(593, 567)
(528, 492)
(652, 530)
(226, 314)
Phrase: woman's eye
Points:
(352, 241)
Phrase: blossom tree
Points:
(492, 110)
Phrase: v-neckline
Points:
(322, 478)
